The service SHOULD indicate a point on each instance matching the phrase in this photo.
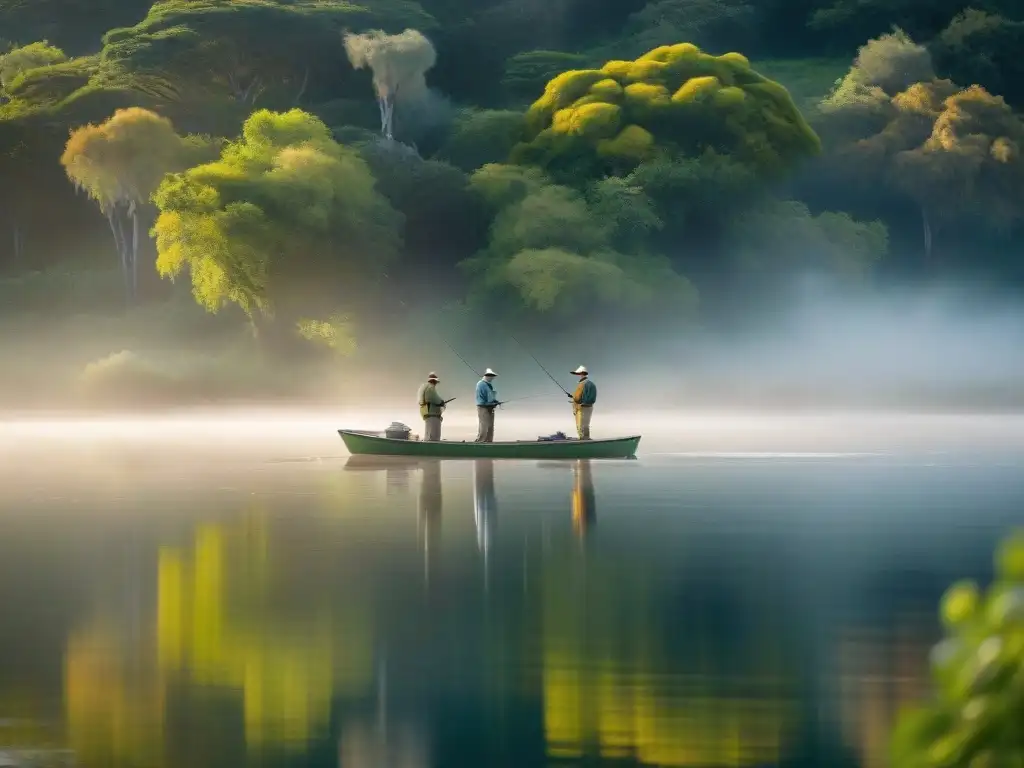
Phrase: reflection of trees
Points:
(607, 691)
(880, 674)
(216, 625)
(226, 634)
(115, 715)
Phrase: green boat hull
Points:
(373, 444)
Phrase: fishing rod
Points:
(443, 340)
(564, 391)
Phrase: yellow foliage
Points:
(606, 88)
(735, 58)
(674, 92)
(632, 142)
(593, 119)
(565, 88)
(645, 70)
(695, 88)
(730, 96)
(647, 94)
(1003, 150)
(617, 68)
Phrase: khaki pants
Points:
(583, 414)
(432, 428)
(485, 425)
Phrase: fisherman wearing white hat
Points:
(486, 402)
(431, 407)
(583, 400)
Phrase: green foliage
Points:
(246, 51)
(556, 250)
(286, 221)
(783, 238)
(527, 73)
(983, 49)
(337, 333)
(703, 22)
(28, 57)
(975, 715)
(482, 136)
(440, 228)
(674, 100)
(955, 152)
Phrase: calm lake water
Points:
(749, 592)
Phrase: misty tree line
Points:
(626, 171)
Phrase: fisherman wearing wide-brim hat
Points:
(486, 402)
(583, 400)
(431, 408)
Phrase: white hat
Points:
(432, 376)
(489, 372)
(581, 370)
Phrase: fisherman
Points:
(583, 400)
(486, 402)
(431, 407)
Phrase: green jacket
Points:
(431, 403)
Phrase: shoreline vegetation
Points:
(214, 201)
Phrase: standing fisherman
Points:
(431, 407)
(583, 400)
(486, 402)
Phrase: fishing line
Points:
(564, 391)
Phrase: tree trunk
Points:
(302, 88)
(926, 226)
(134, 211)
(119, 243)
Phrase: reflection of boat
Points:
(374, 444)
(378, 463)
(584, 505)
(485, 503)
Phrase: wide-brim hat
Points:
(489, 372)
(582, 370)
(432, 376)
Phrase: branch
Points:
(302, 88)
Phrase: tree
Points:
(674, 100)
(286, 224)
(440, 228)
(482, 136)
(703, 22)
(528, 72)
(119, 164)
(982, 49)
(399, 64)
(783, 238)
(266, 51)
(27, 57)
(557, 254)
(975, 712)
(954, 152)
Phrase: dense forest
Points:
(206, 198)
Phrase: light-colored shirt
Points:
(430, 401)
(485, 394)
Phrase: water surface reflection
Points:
(374, 613)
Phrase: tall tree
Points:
(286, 224)
(399, 64)
(119, 164)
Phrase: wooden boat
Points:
(362, 443)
